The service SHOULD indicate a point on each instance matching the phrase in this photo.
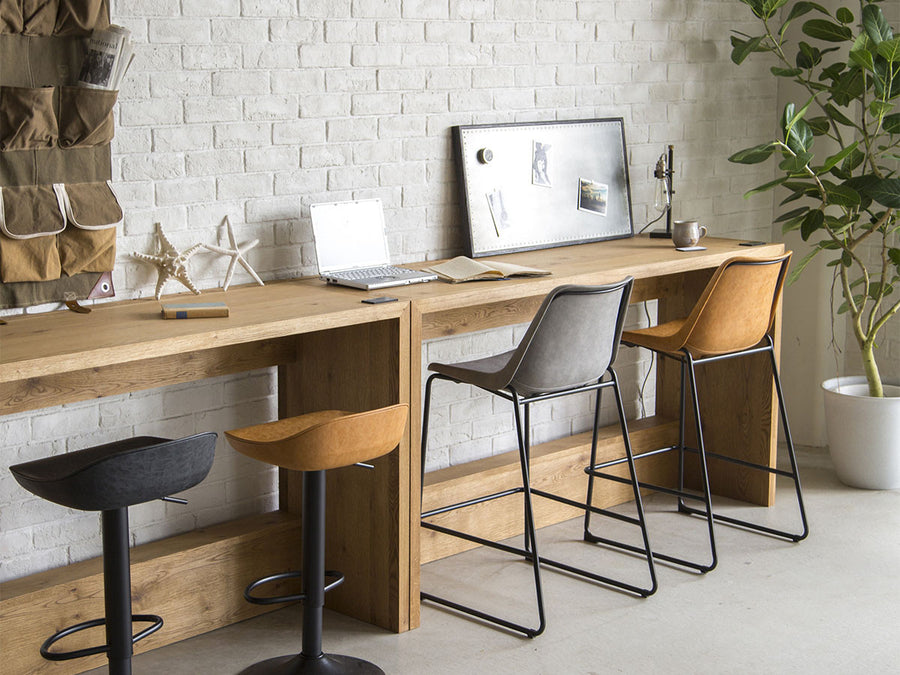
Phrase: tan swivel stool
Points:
(569, 348)
(313, 443)
(731, 319)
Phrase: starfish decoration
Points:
(237, 255)
(170, 263)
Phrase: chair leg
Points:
(117, 590)
(529, 553)
(793, 474)
(646, 551)
(704, 474)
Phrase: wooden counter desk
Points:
(332, 351)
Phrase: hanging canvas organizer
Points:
(58, 211)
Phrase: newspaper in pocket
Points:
(108, 55)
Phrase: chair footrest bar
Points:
(647, 486)
(337, 580)
(746, 524)
(745, 463)
(155, 621)
(472, 502)
(528, 632)
(528, 555)
(581, 505)
(623, 460)
(642, 592)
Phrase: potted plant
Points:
(839, 158)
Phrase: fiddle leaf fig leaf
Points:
(766, 187)
(792, 214)
(863, 58)
(741, 49)
(781, 72)
(819, 125)
(891, 123)
(844, 15)
(810, 223)
(754, 155)
(894, 255)
(842, 195)
(799, 138)
(889, 50)
(838, 116)
(825, 30)
(796, 163)
(835, 159)
(875, 25)
(885, 191)
(808, 56)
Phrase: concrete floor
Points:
(830, 604)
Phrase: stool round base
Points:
(326, 664)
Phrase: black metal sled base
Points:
(325, 664)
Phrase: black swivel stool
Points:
(110, 478)
(313, 443)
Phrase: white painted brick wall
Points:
(256, 108)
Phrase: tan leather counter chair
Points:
(731, 319)
(314, 443)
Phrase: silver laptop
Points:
(351, 247)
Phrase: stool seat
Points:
(326, 439)
(119, 474)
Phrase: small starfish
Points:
(170, 263)
(237, 255)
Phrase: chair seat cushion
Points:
(487, 372)
(119, 474)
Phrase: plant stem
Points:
(871, 367)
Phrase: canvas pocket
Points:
(30, 218)
(85, 116)
(93, 212)
(80, 17)
(11, 17)
(39, 16)
(27, 120)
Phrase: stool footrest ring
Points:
(337, 580)
(155, 621)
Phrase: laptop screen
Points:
(349, 235)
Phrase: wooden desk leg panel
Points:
(736, 403)
(367, 524)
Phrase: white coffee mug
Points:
(687, 233)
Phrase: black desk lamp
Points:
(664, 191)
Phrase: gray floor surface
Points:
(829, 604)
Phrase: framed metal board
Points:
(537, 185)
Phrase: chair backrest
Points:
(737, 307)
(327, 439)
(572, 339)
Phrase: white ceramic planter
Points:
(863, 432)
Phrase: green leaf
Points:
(819, 125)
(889, 50)
(891, 123)
(791, 214)
(754, 155)
(850, 86)
(782, 72)
(885, 191)
(821, 29)
(838, 116)
(863, 58)
(800, 266)
(766, 187)
(800, 137)
(842, 195)
(811, 222)
(795, 163)
(769, 7)
(741, 49)
(878, 108)
(844, 15)
(876, 26)
(801, 8)
(808, 56)
(840, 156)
(894, 255)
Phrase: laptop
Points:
(351, 247)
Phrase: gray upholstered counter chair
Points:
(569, 348)
(313, 443)
(732, 319)
(109, 478)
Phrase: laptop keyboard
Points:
(370, 272)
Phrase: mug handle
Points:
(702, 231)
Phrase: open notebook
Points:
(351, 246)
